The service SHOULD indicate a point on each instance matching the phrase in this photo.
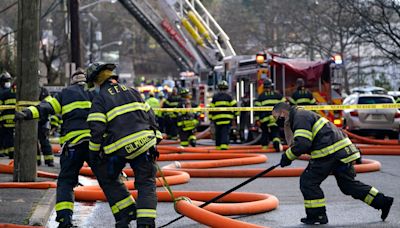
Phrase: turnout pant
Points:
(222, 136)
(2, 150)
(161, 125)
(145, 182)
(171, 127)
(319, 169)
(71, 160)
(187, 137)
(269, 133)
(8, 141)
(45, 147)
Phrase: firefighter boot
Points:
(192, 142)
(146, 223)
(277, 146)
(320, 219)
(315, 216)
(384, 203)
(49, 163)
(65, 219)
(388, 201)
(125, 217)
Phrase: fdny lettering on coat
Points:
(116, 89)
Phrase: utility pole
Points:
(27, 89)
(75, 35)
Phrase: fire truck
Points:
(246, 74)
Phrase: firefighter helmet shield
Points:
(95, 68)
(268, 83)
(5, 76)
(300, 82)
(223, 85)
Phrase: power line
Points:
(51, 8)
(8, 7)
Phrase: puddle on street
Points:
(82, 210)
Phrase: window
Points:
(375, 100)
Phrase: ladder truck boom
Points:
(152, 22)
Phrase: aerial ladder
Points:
(146, 15)
(207, 38)
(186, 31)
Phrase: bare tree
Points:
(380, 24)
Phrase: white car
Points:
(378, 122)
(369, 90)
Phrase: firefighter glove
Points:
(21, 115)
(154, 154)
(94, 157)
(285, 161)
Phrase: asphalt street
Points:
(342, 210)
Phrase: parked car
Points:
(378, 122)
(369, 90)
(394, 94)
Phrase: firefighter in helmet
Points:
(331, 152)
(264, 119)
(7, 124)
(171, 117)
(302, 96)
(123, 130)
(5, 85)
(222, 119)
(187, 120)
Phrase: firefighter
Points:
(43, 135)
(265, 120)
(154, 103)
(302, 96)
(123, 130)
(8, 97)
(161, 119)
(74, 103)
(170, 117)
(331, 152)
(4, 87)
(222, 119)
(187, 121)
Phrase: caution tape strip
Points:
(233, 109)
(19, 105)
(306, 107)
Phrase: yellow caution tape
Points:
(257, 109)
(19, 105)
(233, 109)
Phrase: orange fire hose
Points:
(9, 225)
(10, 169)
(367, 166)
(208, 218)
(31, 185)
(56, 148)
(236, 203)
(240, 203)
(371, 141)
(208, 149)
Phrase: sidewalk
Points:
(25, 206)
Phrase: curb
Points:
(41, 214)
